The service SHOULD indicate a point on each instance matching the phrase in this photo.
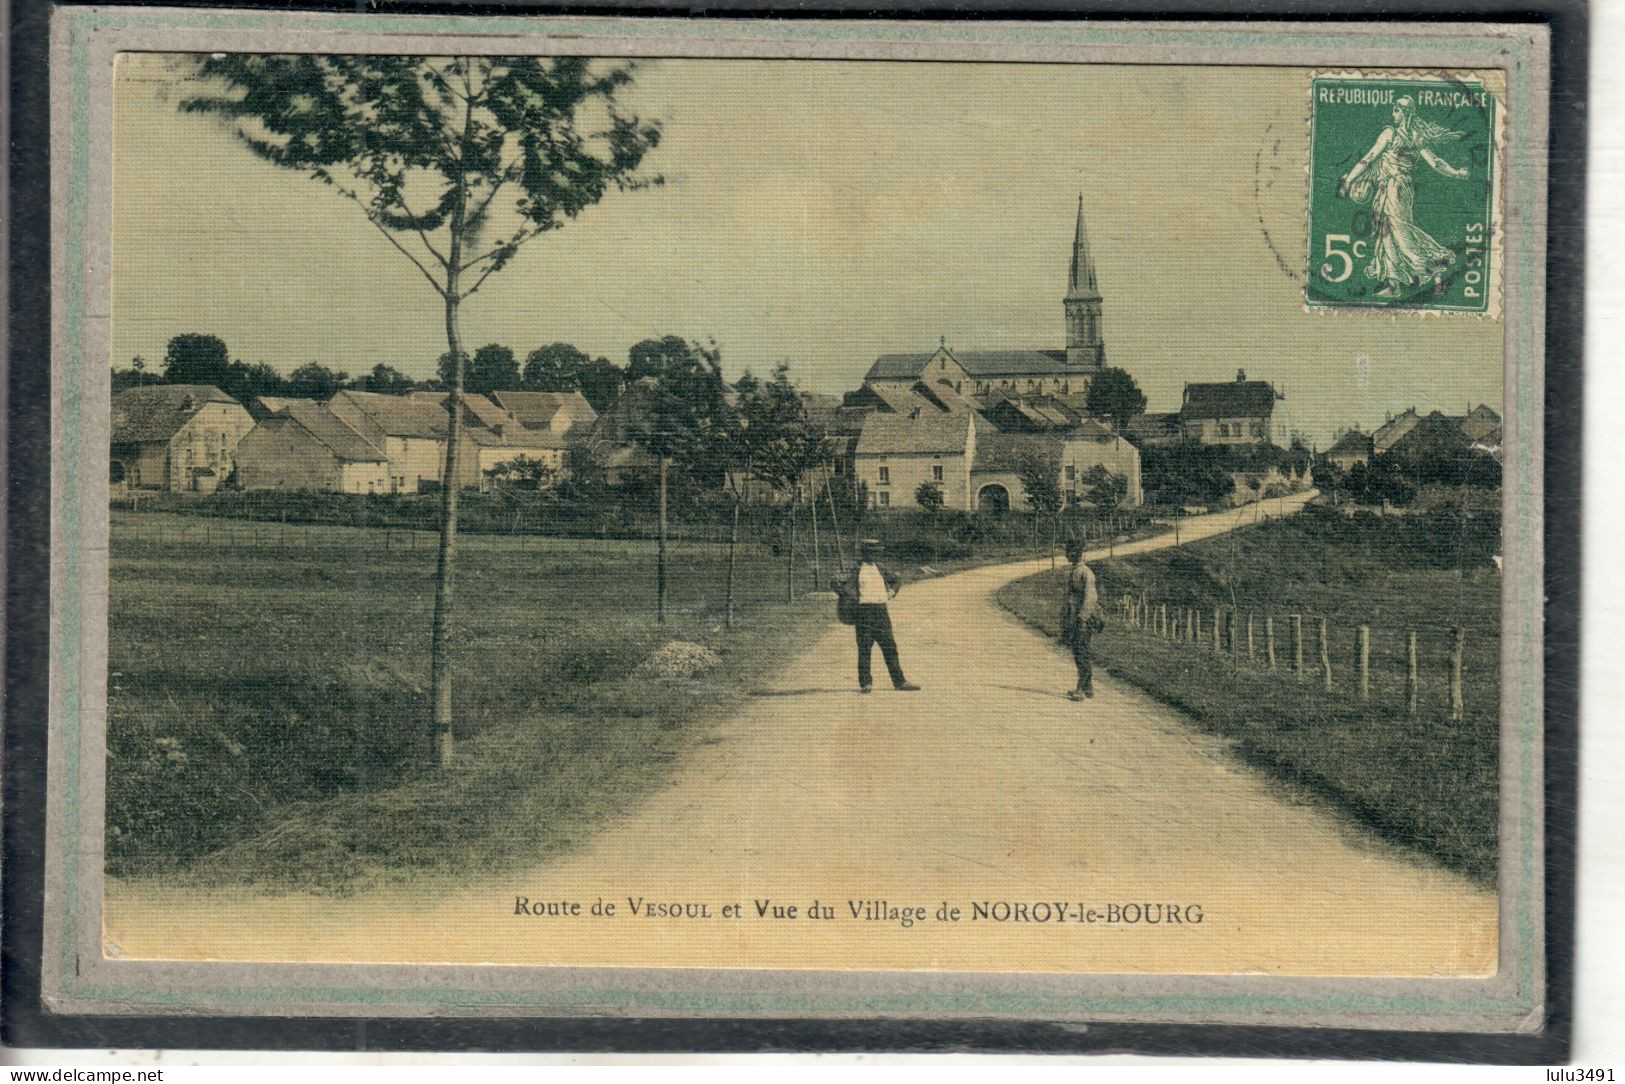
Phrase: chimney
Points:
(1241, 376)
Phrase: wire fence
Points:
(1418, 668)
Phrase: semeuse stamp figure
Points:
(1384, 232)
(1402, 253)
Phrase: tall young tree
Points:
(683, 409)
(785, 455)
(458, 162)
(768, 438)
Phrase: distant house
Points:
(305, 446)
(612, 443)
(177, 437)
(1481, 422)
(1431, 445)
(1239, 412)
(1072, 454)
(1477, 424)
(1392, 431)
(556, 412)
(412, 431)
(897, 453)
(499, 436)
(976, 466)
(978, 372)
(1351, 448)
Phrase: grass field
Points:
(268, 709)
(1428, 783)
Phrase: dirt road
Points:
(988, 791)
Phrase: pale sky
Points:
(824, 212)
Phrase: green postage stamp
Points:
(1402, 193)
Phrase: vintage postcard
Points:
(724, 518)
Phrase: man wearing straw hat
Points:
(874, 587)
(1080, 618)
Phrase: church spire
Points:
(1081, 284)
(1084, 348)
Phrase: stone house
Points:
(1351, 448)
(176, 437)
(897, 453)
(1072, 453)
(302, 445)
(976, 466)
(1239, 412)
(412, 431)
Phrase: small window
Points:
(936, 473)
(1071, 473)
(883, 499)
(885, 476)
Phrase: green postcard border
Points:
(1522, 508)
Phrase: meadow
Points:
(268, 705)
(1427, 782)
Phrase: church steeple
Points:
(1081, 283)
(1084, 348)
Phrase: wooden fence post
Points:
(1218, 628)
(1459, 636)
(1162, 620)
(1145, 609)
(1297, 646)
(1196, 625)
(1364, 653)
(1269, 640)
(1250, 652)
(1326, 654)
(1410, 674)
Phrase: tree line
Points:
(197, 358)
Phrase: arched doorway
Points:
(993, 498)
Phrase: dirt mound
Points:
(679, 660)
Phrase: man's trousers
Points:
(874, 627)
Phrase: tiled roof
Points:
(900, 434)
(977, 363)
(1353, 442)
(535, 409)
(402, 415)
(900, 400)
(266, 405)
(1007, 451)
(157, 411)
(1234, 399)
(328, 428)
(1394, 428)
(945, 396)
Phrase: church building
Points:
(1018, 372)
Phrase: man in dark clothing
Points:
(873, 587)
(1080, 618)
